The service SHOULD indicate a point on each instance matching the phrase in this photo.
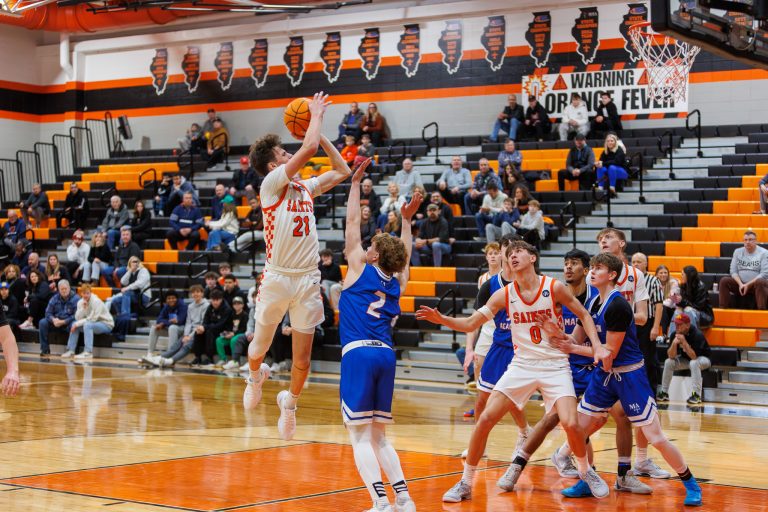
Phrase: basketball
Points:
(296, 117)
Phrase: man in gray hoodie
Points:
(749, 274)
(183, 346)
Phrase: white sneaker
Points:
(406, 505)
(275, 368)
(67, 355)
(564, 465)
(165, 362)
(651, 469)
(286, 425)
(245, 367)
(230, 365)
(459, 492)
(252, 393)
(466, 452)
(84, 355)
(26, 325)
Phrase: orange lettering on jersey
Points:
(529, 317)
(295, 206)
(629, 295)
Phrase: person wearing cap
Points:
(225, 229)
(233, 333)
(688, 350)
(432, 238)
(580, 165)
(245, 182)
(218, 143)
(11, 308)
(536, 124)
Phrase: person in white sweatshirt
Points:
(91, 317)
(77, 255)
(224, 230)
(135, 287)
(575, 118)
(531, 226)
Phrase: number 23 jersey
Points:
(368, 308)
(531, 342)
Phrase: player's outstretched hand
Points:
(318, 104)
(357, 177)
(407, 211)
(429, 314)
(604, 355)
(10, 384)
(549, 326)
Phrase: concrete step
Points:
(619, 208)
(406, 371)
(688, 162)
(659, 173)
(631, 195)
(763, 337)
(748, 377)
(713, 142)
(620, 221)
(431, 356)
(564, 245)
(757, 356)
(753, 365)
(431, 365)
(445, 336)
(690, 150)
(736, 396)
(436, 345)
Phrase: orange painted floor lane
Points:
(232, 480)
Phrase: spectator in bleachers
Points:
(232, 335)
(194, 140)
(408, 178)
(218, 144)
(508, 120)
(368, 196)
(225, 269)
(183, 346)
(693, 300)
(364, 151)
(521, 199)
(11, 309)
(19, 256)
(493, 204)
(607, 118)
(99, 260)
(254, 226)
(163, 193)
(208, 125)
(579, 166)
(510, 179)
(749, 274)
(179, 187)
(134, 288)
(688, 350)
(172, 317)
(575, 118)
(531, 225)
(437, 199)
(240, 346)
(350, 123)
(16, 282)
(140, 223)
(433, 238)
(211, 283)
(612, 165)
(55, 271)
(77, 256)
(330, 277)
(647, 333)
(36, 206)
(374, 124)
(13, 231)
(455, 182)
(220, 196)
(510, 156)
(215, 319)
(75, 208)
(116, 217)
(394, 224)
(231, 289)
(474, 197)
(503, 222)
(125, 251)
(536, 124)
(670, 286)
(36, 298)
(186, 221)
(224, 230)
(33, 263)
(245, 181)
(59, 314)
(367, 226)
(392, 202)
(91, 317)
(349, 151)
(763, 186)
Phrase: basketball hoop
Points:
(667, 61)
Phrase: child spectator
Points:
(349, 151)
(531, 225)
(234, 333)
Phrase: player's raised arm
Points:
(352, 241)
(467, 323)
(10, 383)
(309, 145)
(407, 211)
(340, 170)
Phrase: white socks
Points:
(583, 464)
(641, 455)
(290, 401)
(469, 474)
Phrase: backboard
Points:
(737, 29)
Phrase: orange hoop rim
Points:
(638, 26)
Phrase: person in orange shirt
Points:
(349, 152)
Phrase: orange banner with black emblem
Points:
(539, 37)
(159, 70)
(225, 65)
(330, 53)
(585, 32)
(190, 65)
(450, 44)
(494, 40)
(370, 51)
(410, 49)
(294, 60)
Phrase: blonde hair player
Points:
(291, 279)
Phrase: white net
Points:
(667, 60)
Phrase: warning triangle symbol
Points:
(643, 78)
(559, 84)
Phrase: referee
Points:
(10, 383)
(648, 333)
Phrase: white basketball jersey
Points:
(486, 331)
(529, 340)
(289, 223)
(631, 284)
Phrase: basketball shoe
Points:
(252, 394)
(286, 425)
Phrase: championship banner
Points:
(294, 60)
(585, 33)
(450, 45)
(628, 87)
(539, 37)
(190, 65)
(224, 64)
(159, 70)
(331, 55)
(494, 40)
(258, 60)
(638, 13)
(410, 49)
(370, 51)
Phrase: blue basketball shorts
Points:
(630, 388)
(367, 382)
(582, 375)
(495, 364)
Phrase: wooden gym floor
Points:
(106, 437)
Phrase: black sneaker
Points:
(662, 396)
(694, 398)
(195, 362)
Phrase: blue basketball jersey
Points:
(629, 353)
(570, 320)
(502, 335)
(368, 308)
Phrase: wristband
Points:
(486, 312)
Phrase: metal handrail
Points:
(606, 195)
(206, 256)
(88, 140)
(36, 156)
(400, 159)
(179, 159)
(452, 311)
(154, 180)
(6, 163)
(102, 123)
(143, 308)
(72, 148)
(572, 223)
(104, 194)
(435, 138)
(226, 148)
(668, 151)
(3, 195)
(33, 240)
(54, 152)
(696, 129)
(640, 170)
(111, 138)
